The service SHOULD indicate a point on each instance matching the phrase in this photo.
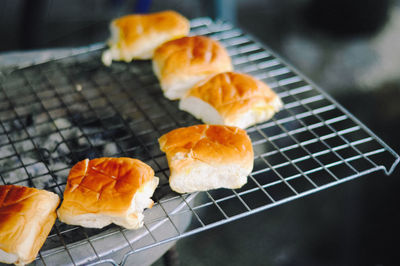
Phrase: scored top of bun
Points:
(107, 187)
(26, 218)
(212, 144)
(134, 27)
(239, 99)
(181, 63)
(137, 36)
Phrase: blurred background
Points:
(348, 48)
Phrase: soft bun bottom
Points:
(201, 110)
(8, 257)
(200, 176)
(209, 115)
(179, 86)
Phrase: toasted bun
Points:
(137, 36)
(205, 157)
(232, 99)
(108, 190)
(181, 63)
(26, 218)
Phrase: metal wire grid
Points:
(55, 114)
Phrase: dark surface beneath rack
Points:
(55, 114)
(352, 224)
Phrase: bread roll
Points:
(108, 190)
(231, 99)
(181, 63)
(137, 36)
(26, 218)
(205, 157)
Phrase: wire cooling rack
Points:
(56, 113)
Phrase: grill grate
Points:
(62, 111)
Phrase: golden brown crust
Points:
(135, 27)
(196, 55)
(212, 144)
(22, 210)
(105, 185)
(233, 94)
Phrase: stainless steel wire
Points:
(55, 113)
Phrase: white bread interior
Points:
(257, 114)
(200, 176)
(209, 115)
(201, 110)
(27, 216)
(9, 258)
(178, 86)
